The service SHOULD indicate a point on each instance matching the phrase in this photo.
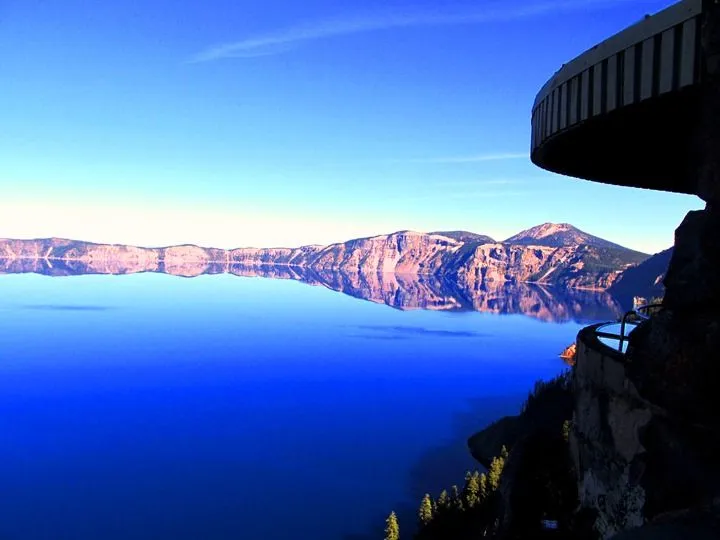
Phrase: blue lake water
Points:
(155, 407)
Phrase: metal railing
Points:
(639, 314)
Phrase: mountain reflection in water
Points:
(405, 292)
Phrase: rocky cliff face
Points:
(462, 257)
(605, 440)
(641, 456)
(404, 252)
(645, 279)
(673, 359)
(646, 432)
(576, 267)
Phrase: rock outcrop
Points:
(644, 445)
(609, 415)
(645, 279)
(577, 267)
(646, 434)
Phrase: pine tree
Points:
(483, 486)
(443, 501)
(496, 468)
(425, 513)
(504, 453)
(471, 491)
(392, 527)
(455, 500)
(566, 430)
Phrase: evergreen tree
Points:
(483, 483)
(443, 501)
(566, 430)
(425, 513)
(471, 491)
(455, 500)
(496, 468)
(504, 453)
(392, 527)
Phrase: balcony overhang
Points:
(621, 113)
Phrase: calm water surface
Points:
(157, 407)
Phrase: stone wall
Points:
(639, 458)
(605, 439)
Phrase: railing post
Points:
(622, 331)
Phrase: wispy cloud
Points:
(497, 182)
(484, 182)
(288, 38)
(471, 195)
(478, 158)
(64, 307)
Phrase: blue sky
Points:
(268, 122)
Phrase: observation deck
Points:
(621, 113)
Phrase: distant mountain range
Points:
(557, 255)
